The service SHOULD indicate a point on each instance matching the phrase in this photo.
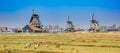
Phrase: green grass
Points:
(77, 42)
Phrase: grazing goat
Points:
(47, 45)
(37, 45)
(27, 45)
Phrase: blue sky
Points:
(17, 13)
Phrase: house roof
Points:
(34, 28)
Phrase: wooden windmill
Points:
(35, 20)
(34, 24)
(70, 27)
(94, 24)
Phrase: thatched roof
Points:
(34, 28)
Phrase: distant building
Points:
(18, 30)
(53, 28)
(103, 28)
(6, 30)
(112, 28)
(118, 28)
(3, 29)
(34, 24)
(77, 28)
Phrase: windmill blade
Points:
(33, 11)
(93, 16)
(68, 18)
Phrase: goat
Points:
(27, 45)
(47, 45)
(37, 45)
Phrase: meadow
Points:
(75, 42)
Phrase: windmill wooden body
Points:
(94, 24)
(70, 27)
(35, 20)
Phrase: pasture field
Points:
(75, 42)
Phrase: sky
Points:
(17, 13)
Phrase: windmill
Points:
(34, 24)
(70, 27)
(35, 20)
(94, 24)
